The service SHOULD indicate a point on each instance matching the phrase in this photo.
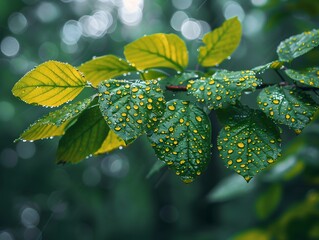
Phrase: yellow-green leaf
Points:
(105, 67)
(50, 84)
(220, 43)
(111, 142)
(158, 50)
(55, 123)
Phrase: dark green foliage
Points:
(131, 108)
(224, 87)
(287, 105)
(182, 139)
(248, 142)
(178, 130)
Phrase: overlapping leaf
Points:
(249, 141)
(308, 76)
(55, 123)
(50, 84)
(182, 139)
(111, 142)
(287, 105)
(298, 45)
(153, 75)
(220, 43)
(157, 50)
(83, 138)
(224, 87)
(105, 67)
(131, 108)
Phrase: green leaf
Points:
(181, 78)
(83, 138)
(55, 123)
(153, 75)
(298, 45)
(157, 166)
(308, 76)
(249, 142)
(131, 108)
(268, 201)
(286, 105)
(182, 139)
(230, 188)
(50, 84)
(220, 43)
(224, 87)
(157, 50)
(105, 67)
(272, 65)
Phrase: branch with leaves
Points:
(126, 107)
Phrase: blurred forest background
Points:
(113, 196)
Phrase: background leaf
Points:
(308, 76)
(220, 43)
(223, 88)
(131, 108)
(158, 50)
(287, 105)
(182, 139)
(249, 141)
(272, 65)
(105, 67)
(298, 45)
(55, 123)
(50, 84)
(83, 138)
(268, 201)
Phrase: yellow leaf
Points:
(253, 234)
(105, 67)
(220, 43)
(111, 142)
(158, 50)
(50, 84)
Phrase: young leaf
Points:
(182, 139)
(287, 105)
(50, 84)
(55, 123)
(223, 88)
(308, 76)
(298, 45)
(249, 142)
(83, 138)
(105, 67)
(220, 43)
(111, 142)
(131, 108)
(272, 65)
(158, 50)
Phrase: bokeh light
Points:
(17, 23)
(10, 46)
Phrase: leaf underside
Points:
(286, 105)
(131, 107)
(84, 138)
(182, 139)
(249, 142)
(298, 45)
(105, 67)
(157, 50)
(220, 43)
(224, 87)
(50, 84)
(55, 123)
